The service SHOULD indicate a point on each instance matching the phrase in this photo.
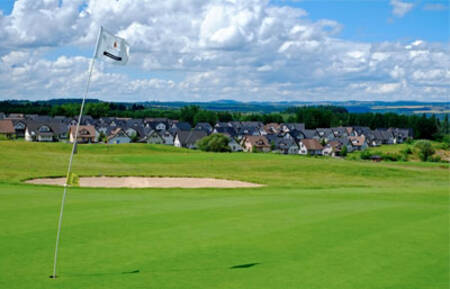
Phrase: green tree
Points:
(188, 113)
(214, 143)
(224, 116)
(205, 116)
(425, 148)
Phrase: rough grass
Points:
(320, 223)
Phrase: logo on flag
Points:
(112, 48)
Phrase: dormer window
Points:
(44, 128)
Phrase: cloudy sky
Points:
(247, 50)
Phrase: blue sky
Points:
(373, 20)
(245, 50)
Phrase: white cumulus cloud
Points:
(195, 49)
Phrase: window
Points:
(44, 128)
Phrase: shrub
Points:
(214, 143)
(435, 159)
(393, 157)
(365, 155)
(407, 151)
(425, 148)
(344, 151)
(444, 146)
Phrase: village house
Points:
(167, 136)
(188, 139)
(152, 137)
(332, 148)
(86, 134)
(309, 146)
(204, 126)
(325, 134)
(288, 127)
(286, 146)
(358, 143)
(182, 125)
(118, 136)
(45, 131)
(227, 130)
(7, 128)
(252, 143)
(272, 128)
(401, 134)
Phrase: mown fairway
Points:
(319, 223)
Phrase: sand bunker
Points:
(143, 182)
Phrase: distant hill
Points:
(401, 107)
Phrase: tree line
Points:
(426, 127)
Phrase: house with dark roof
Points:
(285, 146)
(204, 126)
(339, 132)
(310, 146)
(249, 130)
(152, 137)
(227, 130)
(45, 131)
(310, 134)
(182, 125)
(157, 125)
(256, 124)
(167, 136)
(325, 134)
(188, 139)
(401, 134)
(19, 127)
(290, 126)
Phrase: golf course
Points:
(314, 223)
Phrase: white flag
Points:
(112, 48)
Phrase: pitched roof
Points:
(257, 140)
(357, 140)
(309, 133)
(294, 125)
(312, 144)
(182, 125)
(55, 127)
(336, 145)
(190, 137)
(203, 126)
(6, 126)
(272, 127)
(117, 132)
(83, 131)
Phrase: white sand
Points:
(143, 182)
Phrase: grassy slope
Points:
(320, 223)
(398, 148)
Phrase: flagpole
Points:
(74, 147)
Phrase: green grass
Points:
(319, 222)
(399, 148)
